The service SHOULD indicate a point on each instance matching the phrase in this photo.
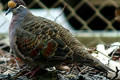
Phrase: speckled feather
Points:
(44, 43)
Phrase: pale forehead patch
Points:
(12, 4)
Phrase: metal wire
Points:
(73, 12)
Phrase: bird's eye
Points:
(16, 6)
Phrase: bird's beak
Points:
(9, 10)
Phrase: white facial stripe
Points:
(20, 6)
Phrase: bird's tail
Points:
(86, 58)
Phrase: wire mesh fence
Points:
(82, 15)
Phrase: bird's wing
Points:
(42, 40)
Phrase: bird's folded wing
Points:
(38, 40)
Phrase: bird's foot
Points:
(33, 72)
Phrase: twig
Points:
(21, 72)
(71, 69)
(9, 69)
(5, 62)
(116, 74)
(84, 69)
(113, 52)
(16, 61)
(60, 13)
(105, 55)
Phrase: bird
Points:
(40, 42)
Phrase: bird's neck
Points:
(17, 19)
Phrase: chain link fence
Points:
(84, 16)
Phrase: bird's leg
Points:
(71, 69)
(32, 73)
(20, 73)
(73, 65)
(78, 68)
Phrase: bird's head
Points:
(15, 6)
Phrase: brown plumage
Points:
(44, 43)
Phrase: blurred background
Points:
(90, 21)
